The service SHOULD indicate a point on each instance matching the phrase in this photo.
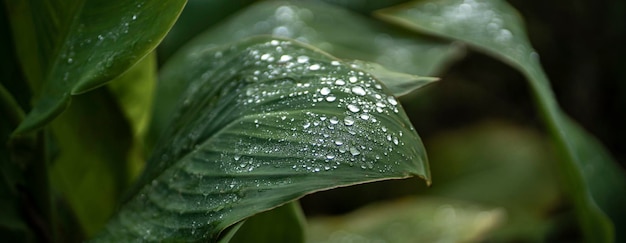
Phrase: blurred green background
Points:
(486, 142)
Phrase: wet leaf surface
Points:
(264, 122)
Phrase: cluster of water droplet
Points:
(314, 111)
(283, 111)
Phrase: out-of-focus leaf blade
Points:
(197, 16)
(134, 92)
(282, 224)
(399, 83)
(410, 220)
(495, 27)
(264, 122)
(92, 173)
(364, 6)
(69, 47)
(357, 37)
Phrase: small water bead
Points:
(134, 17)
(380, 104)
(237, 157)
(338, 142)
(335, 63)
(334, 120)
(354, 151)
(395, 141)
(348, 121)
(306, 125)
(331, 98)
(314, 67)
(302, 59)
(358, 90)
(330, 156)
(265, 56)
(340, 82)
(285, 58)
(325, 91)
(353, 79)
(392, 100)
(365, 116)
(353, 108)
(378, 86)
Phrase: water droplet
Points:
(392, 100)
(354, 151)
(365, 116)
(380, 104)
(330, 156)
(353, 79)
(314, 67)
(134, 17)
(306, 125)
(395, 141)
(340, 82)
(338, 142)
(331, 98)
(70, 60)
(334, 120)
(353, 108)
(265, 56)
(325, 91)
(358, 90)
(237, 157)
(285, 58)
(348, 120)
(335, 63)
(378, 86)
(302, 59)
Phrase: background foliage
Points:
(499, 172)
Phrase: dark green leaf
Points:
(365, 6)
(356, 37)
(495, 27)
(69, 47)
(134, 92)
(410, 220)
(197, 16)
(93, 173)
(282, 224)
(264, 122)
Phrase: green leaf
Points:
(69, 47)
(494, 27)
(92, 174)
(356, 37)
(264, 122)
(409, 220)
(282, 224)
(399, 83)
(197, 16)
(134, 92)
(364, 6)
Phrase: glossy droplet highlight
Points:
(353, 108)
(302, 59)
(348, 121)
(314, 67)
(354, 151)
(358, 90)
(325, 91)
